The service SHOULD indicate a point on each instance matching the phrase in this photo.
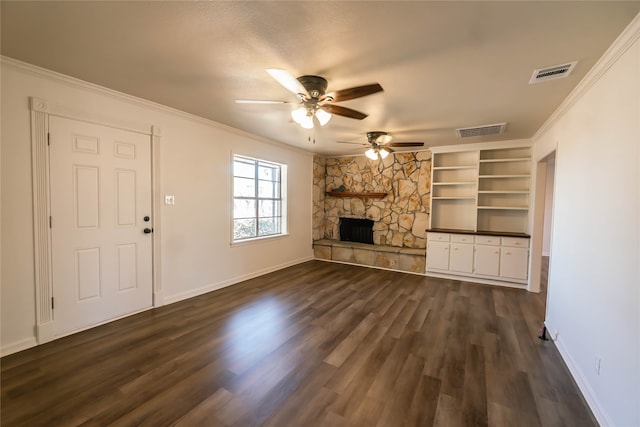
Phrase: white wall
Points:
(195, 167)
(594, 280)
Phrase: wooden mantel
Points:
(352, 194)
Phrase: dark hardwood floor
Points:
(317, 344)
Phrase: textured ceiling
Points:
(442, 65)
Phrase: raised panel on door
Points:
(487, 260)
(100, 191)
(438, 256)
(461, 257)
(514, 263)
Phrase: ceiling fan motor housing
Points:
(373, 136)
(315, 85)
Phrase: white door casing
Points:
(100, 189)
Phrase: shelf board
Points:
(515, 159)
(503, 192)
(456, 183)
(504, 208)
(505, 176)
(352, 194)
(441, 168)
(454, 198)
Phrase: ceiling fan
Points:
(380, 144)
(313, 99)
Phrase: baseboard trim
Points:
(219, 285)
(583, 384)
(18, 346)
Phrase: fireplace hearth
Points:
(356, 230)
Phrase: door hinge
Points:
(53, 306)
(48, 138)
(50, 221)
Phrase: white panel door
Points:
(100, 195)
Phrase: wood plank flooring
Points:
(317, 344)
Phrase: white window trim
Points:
(284, 203)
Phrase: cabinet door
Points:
(487, 260)
(461, 258)
(514, 263)
(438, 256)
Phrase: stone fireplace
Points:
(399, 212)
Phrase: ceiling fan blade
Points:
(354, 92)
(287, 80)
(406, 144)
(343, 111)
(354, 143)
(260, 101)
(384, 139)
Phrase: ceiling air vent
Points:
(551, 73)
(481, 130)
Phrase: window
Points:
(257, 198)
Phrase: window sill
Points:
(258, 239)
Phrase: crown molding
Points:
(139, 102)
(625, 40)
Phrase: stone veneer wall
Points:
(400, 218)
(319, 180)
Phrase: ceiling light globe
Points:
(323, 117)
(371, 153)
(299, 114)
(307, 122)
(383, 153)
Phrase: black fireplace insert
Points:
(356, 230)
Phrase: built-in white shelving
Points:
(483, 189)
(479, 213)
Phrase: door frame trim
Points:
(41, 110)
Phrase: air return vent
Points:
(495, 129)
(551, 73)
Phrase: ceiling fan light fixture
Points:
(323, 117)
(307, 122)
(383, 153)
(372, 154)
(299, 114)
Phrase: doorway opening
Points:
(541, 257)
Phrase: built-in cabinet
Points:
(487, 259)
(482, 192)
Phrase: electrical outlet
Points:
(169, 200)
(597, 365)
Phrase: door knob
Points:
(148, 230)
